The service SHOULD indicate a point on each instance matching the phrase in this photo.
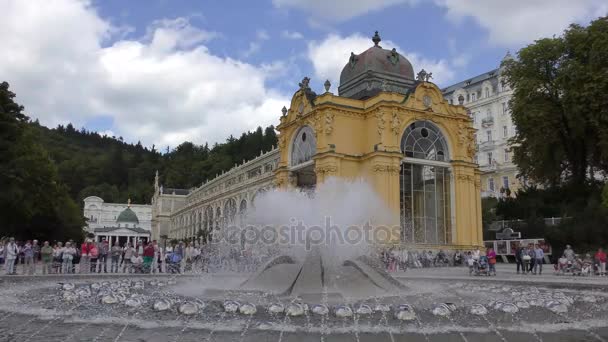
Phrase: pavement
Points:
(505, 273)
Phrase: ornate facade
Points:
(487, 100)
(193, 214)
(385, 126)
(117, 222)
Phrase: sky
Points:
(167, 71)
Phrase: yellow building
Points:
(387, 127)
(398, 133)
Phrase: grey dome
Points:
(375, 70)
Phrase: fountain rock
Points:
(69, 296)
(109, 299)
(441, 310)
(162, 304)
(557, 307)
(231, 306)
(188, 308)
(382, 308)
(67, 286)
(248, 309)
(343, 311)
(478, 309)
(405, 312)
(522, 304)
(295, 309)
(509, 308)
(276, 308)
(320, 309)
(364, 309)
(133, 302)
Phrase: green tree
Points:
(560, 106)
(33, 203)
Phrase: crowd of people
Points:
(529, 260)
(31, 257)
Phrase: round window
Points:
(304, 136)
(424, 132)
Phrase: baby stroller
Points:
(482, 266)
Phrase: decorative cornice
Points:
(386, 168)
(466, 178)
(324, 169)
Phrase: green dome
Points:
(127, 216)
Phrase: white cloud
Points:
(339, 10)
(294, 35)
(517, 22)
(329, 56)
(164, 88)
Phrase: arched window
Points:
(423, 140)
(460, 100)
(304, 146)
(243, 207)
(230, 210)
(425, 185)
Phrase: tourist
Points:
(68, 257)
(569, 253)
(137, 263)
(46, 256)
(127, 254)
(531, 255)
(28, 258)
(471, 263)
(403, 259)
(93, 255)
(189, 256)
(476, 254)
(115, 252)
(2, 243)
(36, 250)
(155, 258)
(148, 257)
(458, 258)
(160, 256)
(600, 259)
(11, 251)
(85, 258)
(539, 255)
(104, 250)
(57, 257)
(519, 258)
(491, 255)
(587, 265)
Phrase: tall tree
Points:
(560, 106)
(33, 203)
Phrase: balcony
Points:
(487, 145)
(487, 122)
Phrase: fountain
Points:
(311, 288)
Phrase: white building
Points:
(487, 99)
(118, 222)
(194, 214)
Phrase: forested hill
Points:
(91, 164)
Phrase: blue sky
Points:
(164, 71)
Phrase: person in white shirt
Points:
(68, 256)
(11, 250)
